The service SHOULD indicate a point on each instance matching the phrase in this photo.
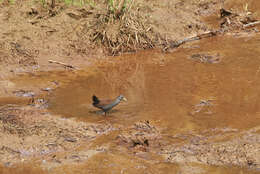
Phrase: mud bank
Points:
(37, 33)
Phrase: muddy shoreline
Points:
(183, 114)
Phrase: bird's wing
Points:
(105, 102)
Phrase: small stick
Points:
(189, 39)
(63, 64)
(251, 24)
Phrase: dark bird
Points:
(107, 105)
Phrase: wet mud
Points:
(193, 110)
(184, 113)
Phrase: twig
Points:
(200, 36)
(189, 39)
(251, 24)
(63, 64)
(204, 35)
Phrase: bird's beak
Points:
(124, 99)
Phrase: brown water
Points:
(166, 88)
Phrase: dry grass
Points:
(121, 28)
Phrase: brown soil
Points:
(35, 34)
(34, 140)
(28, 132)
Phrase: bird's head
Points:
(121, 97)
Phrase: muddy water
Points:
(134, 166)
(176, 91)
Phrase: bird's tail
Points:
(95, 100)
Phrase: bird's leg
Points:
(105, 114)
